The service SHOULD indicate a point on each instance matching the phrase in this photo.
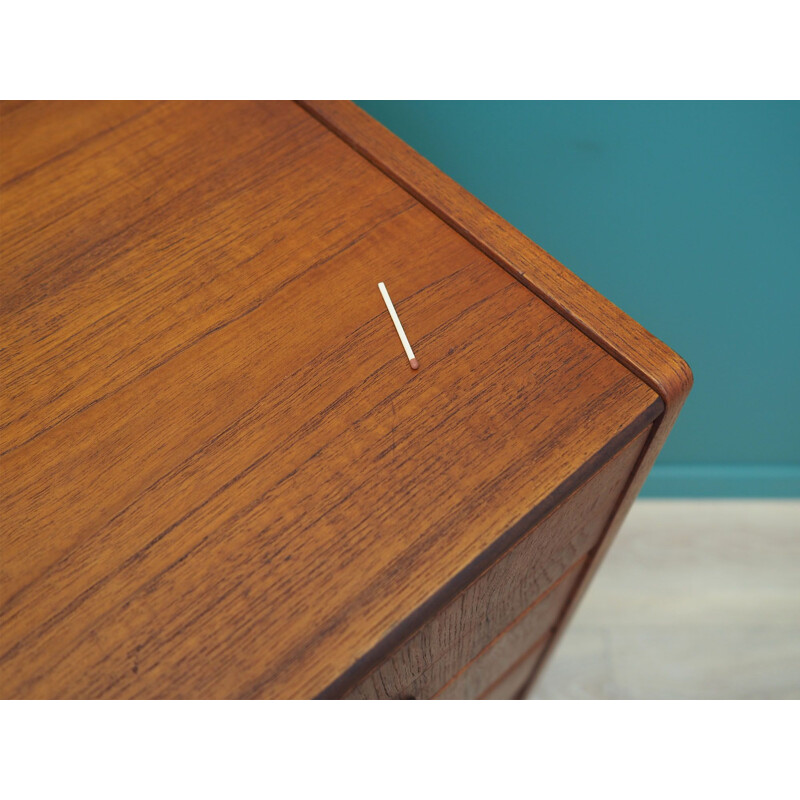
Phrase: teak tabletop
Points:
(220, 477)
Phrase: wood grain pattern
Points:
(608, 326)
(513, 643)
(456, 635)
(219, 476)
(597, 316)
(511, 685)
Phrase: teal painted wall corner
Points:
(687, 216)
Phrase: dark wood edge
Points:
(595, 316)
(637, 478)
(400, 634)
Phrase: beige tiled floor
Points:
(696, 599)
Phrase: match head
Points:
(414, 363)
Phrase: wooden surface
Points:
(509, 685)
(219, 476)
(698, 599)
(503, 652)
(452, 638)
(613, 330)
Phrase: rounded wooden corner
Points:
(597, 317)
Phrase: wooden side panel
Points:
(457, 634)
(511, 684)
(503, 652)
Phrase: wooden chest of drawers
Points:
(220, 477)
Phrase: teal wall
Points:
(687, 216)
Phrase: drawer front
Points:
(510, 684)
(503, 652)
(455, 636)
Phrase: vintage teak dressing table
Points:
(220, 476)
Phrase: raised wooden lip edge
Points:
(596, 317)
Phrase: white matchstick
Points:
(398, 327)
